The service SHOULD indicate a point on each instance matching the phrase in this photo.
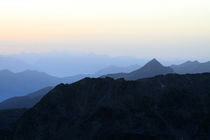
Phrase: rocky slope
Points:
(164, 107)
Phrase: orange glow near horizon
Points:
(138, 21)
(45, 19)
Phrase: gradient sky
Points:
(141, 28)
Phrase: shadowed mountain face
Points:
(164, 107)
(151, 69)
(7, 121)
(26, 101)
(192, 67)
(18, 84)
(8, 117)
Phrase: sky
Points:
(167, 29)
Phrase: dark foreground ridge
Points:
(166, 107)
(9, 116)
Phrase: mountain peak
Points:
(150, 69)
(153, 63)
(154, 60)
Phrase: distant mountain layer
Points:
(13, 64)
(164, 107)
(63, 64)
(151, 69)
(19, 84)
(192, 67)
(26, 101)
(116, 69)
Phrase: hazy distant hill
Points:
(116, 69)
(26, 101)
(192, 67)
(64, 63)
(18, 84)
(13, 64)
(167, 107)
(152, 68)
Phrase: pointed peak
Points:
(153, 62)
